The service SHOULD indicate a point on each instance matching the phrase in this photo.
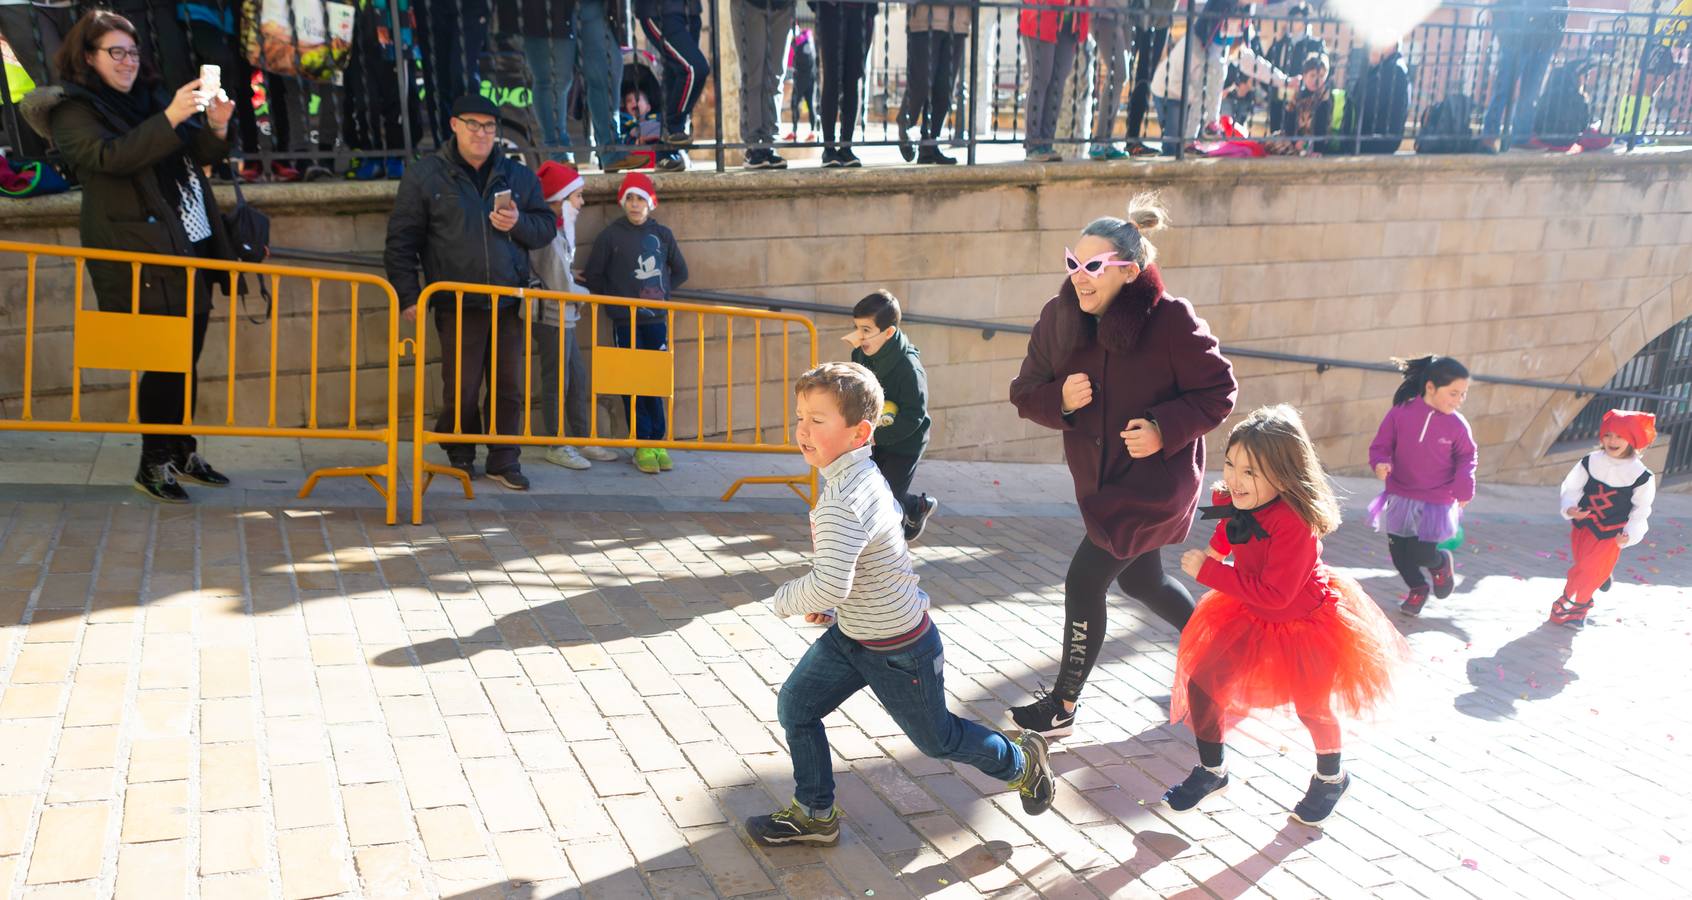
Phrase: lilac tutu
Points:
(1424, 521)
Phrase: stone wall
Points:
(1537, 267)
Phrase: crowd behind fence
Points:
(326, 89)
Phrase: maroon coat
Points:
(1149, 357)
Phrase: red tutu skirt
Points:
(1339, 659)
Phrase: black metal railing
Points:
(1657, 380)
(353, 89)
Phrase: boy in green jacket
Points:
(901, 434)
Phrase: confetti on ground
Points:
(1471, 864)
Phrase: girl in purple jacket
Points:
(1426, 455)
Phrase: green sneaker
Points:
(664, 464)
(1106, 151)
(794, 825)
(646, 460)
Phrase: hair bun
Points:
(1147, 212)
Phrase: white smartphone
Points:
(502, 200)
(211, 82)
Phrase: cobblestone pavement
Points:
(258, 702)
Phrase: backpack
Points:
(249, 231)
(1445, 127)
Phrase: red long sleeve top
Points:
(1279, 577)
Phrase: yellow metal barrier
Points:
(138, 342)
(616, 371)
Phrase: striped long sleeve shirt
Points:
(861, 567)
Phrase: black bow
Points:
(1242, 526)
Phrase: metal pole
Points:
(402, 75)
(1186, 69)
(974, 81)
(717, 82)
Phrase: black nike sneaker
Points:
(1045, 717)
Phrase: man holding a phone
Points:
(468, 214)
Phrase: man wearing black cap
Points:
(445, 216)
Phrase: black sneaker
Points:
(1318, 802)
(913, 528)
(678, 139)
(467, 466)
(831, 158)
(1037, 786)
(194, 468)
(1414, 601)
(794, 825)
(848, 159)
(1045, 717)
(774, 160)
(1444, 577)
(671, 162)
(158, 481)
(907, 149)
(764, 159)
(511, 479)
(1606, 585)
(931, 156)
(1200, 783)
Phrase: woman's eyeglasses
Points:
(1092, 266)
(122, 54)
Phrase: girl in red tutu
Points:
(1278, 628)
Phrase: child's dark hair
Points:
(1281, 452)
(1441, 370)
(1317, 61)
(881, 306)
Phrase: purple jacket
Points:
(1432, 453)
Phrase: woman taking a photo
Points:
(138, 154)
(1134, 380)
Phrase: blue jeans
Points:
(909, 685)
(1523, 59)
(1169, 116)
(602, 75)
(646, 418)
(553, 60)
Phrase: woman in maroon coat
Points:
(1134, 380)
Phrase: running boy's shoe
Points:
(1444, 577)
(1414, 601)
(1199, 784)
(1045, 717)
(794, 825)
(1037, 785)
(1319, 800)
(925, 508)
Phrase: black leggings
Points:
(1148, 52)
(1090, 574)
(843, 35)
(1410, 556)
(928, 91)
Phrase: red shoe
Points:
(1567, 612)
(284, 173)
(1444, 577)
(1414, 601)
(251, 172)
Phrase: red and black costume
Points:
(1279, 628)
(1614, 496)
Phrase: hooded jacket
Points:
(1377, 107)
(1149, 356)
(1432, 453)
(629, 260)
(904, 384)
(123, 207)
(441, 219)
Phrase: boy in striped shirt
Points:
(884, 640)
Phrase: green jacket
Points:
(123, 207)
(898, 366)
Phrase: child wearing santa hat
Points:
(1608, 497)
(561, 186)
(636, 256)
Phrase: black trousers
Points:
(1090, 574)
(158, 396)
(843, 35)
(805, 91)
(1410, 556)
(929, 64)
(1148, 52)
(466, 400)
(898, 469)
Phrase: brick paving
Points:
(294, 702)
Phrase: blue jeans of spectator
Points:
(575, 382)
(646, 417)
(454, 34)
(685, 68)
(553, 60)
(602, 75)
(909, 685)
(1523, 60)
(1170, 112)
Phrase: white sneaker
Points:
(600, 454)
(567, 457)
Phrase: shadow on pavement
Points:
(1530, 668)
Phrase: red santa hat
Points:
(641, 186)
(1639, 429)
(559, 180)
